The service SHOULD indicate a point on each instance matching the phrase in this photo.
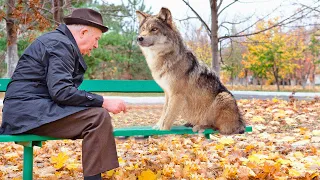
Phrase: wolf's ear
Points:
(165, 16)
(141, 16)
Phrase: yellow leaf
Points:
(219, 147)
(121, 161)
(315, 175)
(257, 158)
(298, 155)
(72, 166)
(229, 172)
(257, 119)
(11, 156)
(132, 167)
(110, 173)
(294, 173)
(226, 140)
(316, 132)
(147, 175)
(283, 161)
(59, 160)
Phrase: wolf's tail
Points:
(228, 118)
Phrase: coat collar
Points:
(64, 30)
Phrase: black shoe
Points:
(95, 177)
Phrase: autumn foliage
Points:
(284, 144)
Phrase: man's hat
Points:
(86, 16)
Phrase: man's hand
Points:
(114, 105)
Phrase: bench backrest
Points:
(125, 86)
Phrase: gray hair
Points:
(76, 27)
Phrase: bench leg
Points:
(27, 162)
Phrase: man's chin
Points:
(84, 54)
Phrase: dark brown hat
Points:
(86, 16)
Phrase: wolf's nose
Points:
(140, 38)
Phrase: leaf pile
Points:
(284, 144)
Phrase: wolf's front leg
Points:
(164, 109)
(172, 110)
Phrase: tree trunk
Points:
(57, 11)
(246, 76)
(314, 76)
(12, 47)
(67, 6)
(276, 77)
(214, 37)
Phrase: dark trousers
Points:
(94, 126)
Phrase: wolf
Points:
(191, 88)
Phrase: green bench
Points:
(122, 86)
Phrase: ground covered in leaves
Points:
(284, 144)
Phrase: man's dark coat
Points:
(44, 86)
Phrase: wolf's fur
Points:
(191, 88)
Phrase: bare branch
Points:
(186, 19)
(226, 28)
(275, 25)
(257, 21)
(202, 21)
(226, 7)
(310, 8)
(219, 5)
(233, 23)
(221, 54)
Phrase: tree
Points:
(12, 48)
(232, 56)
(314, 48)
(274, 52)
(200, 45)
(218, 7)
(20, 16)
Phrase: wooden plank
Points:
(148, 131)
(3, 84)
(24, 138)
(126, 132)
(125, 86)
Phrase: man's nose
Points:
(96, 45)
(140, 38)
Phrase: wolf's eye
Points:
(154, 29)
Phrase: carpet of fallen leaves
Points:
(284, 144)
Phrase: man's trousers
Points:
(94, 126)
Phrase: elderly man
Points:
(43, 97)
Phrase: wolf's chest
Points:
(164, 83)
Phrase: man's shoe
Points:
(95, 177)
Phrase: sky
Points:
(239, 11)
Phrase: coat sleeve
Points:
(59, 78)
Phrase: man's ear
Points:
(141, 17)
(165, 16)
(83, 31)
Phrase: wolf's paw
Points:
(188, 125)
(156, 127)
(165, 128)
(196, 128)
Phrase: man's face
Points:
(88, 39)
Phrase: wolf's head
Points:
(157, 31)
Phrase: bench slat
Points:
(129, 131)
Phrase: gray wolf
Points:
(191, 88)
